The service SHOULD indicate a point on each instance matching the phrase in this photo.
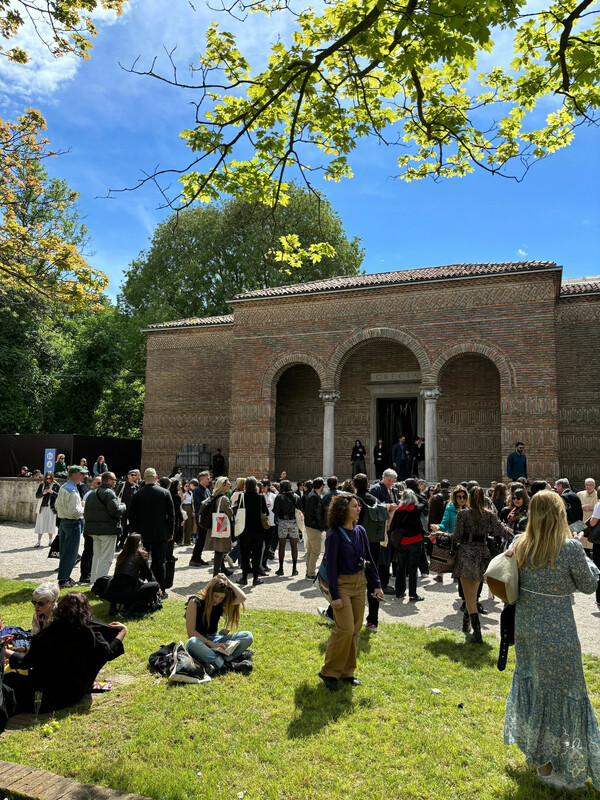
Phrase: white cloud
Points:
(521, 251)
(44, 73)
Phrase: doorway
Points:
(396, 417)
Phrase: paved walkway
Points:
(19, 560)
(39, 784)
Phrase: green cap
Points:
(77, 468)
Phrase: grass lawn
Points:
(279, 733)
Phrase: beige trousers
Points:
(340, 658)
(314, 540)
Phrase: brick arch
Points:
(508, 379)
(276, 369)
(344, 350)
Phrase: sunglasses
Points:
(461, 496)
(39, 602)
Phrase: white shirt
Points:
(596, 514)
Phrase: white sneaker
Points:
(229, 561)
(322, 612)
(554, 779)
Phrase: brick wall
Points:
(578, 377)
(188, 393)
(469, 421)
(298, 424)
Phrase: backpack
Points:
(205, 513)
(374, 520)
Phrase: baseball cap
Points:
(149, 473)
(77, 468)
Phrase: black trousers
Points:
(199, 545)
(373, 615)
(596, 560)
(158, 553)
(85, 565)
(251, 545)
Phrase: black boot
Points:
(466, 625)
(476, 635)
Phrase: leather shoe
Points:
(388, 590)
(197, 564)
(257, 582)
(331, 683)
(481, 609)
(352, 681)
(416, 598)
(242, 582)
(400, 596)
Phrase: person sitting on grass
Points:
(133, 584)
(65, 657)
(202, 614)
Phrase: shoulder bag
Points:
(221, 527)
(240, 516)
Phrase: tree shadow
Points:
(317, 707)
(473, 656)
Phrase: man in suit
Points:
(400, 458)
(572, 503)
(152, 514)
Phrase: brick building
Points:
(472, 356)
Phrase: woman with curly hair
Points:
(347, 559)
(203, 611)
(65, 657)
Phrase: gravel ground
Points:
(19, 560)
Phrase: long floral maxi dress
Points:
(548, 712)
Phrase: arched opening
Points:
(379, 397)
(468, 420)
(298, 423)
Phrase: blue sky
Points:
(116, 125)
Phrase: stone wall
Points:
(18, 502)
(578, 377)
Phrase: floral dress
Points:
(548, 712)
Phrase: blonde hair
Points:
(220, 485)
(231, 609)
(547, 529)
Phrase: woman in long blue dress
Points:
(548, 712)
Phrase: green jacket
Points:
(102, 512)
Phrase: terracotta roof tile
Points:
(570, 289)
(192, 322)
(450, 272)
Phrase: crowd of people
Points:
(377, 539)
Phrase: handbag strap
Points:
(350, 542)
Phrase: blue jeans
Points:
(202, 652)
(408, 555)
(70, 534)
(234, 553)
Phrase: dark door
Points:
(396, 417)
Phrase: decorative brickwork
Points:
(511, 353)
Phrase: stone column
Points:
(328, 396)
(430, 396)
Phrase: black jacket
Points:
(255, 504)
(47, 498)
(572, 506)
(311, 511)
(324, 508)
(151, 513)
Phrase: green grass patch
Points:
(279, 733)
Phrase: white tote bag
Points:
(221, 526)
(240, 517)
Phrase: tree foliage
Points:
(403, 71)
(64, 26)
(200, 258)
(41, 234)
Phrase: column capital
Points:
(329, 395)
(430, 392)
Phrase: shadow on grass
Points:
(318, 708)
(473, 656)
(20, 596)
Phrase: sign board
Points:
(49, 460)
(392, 377)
